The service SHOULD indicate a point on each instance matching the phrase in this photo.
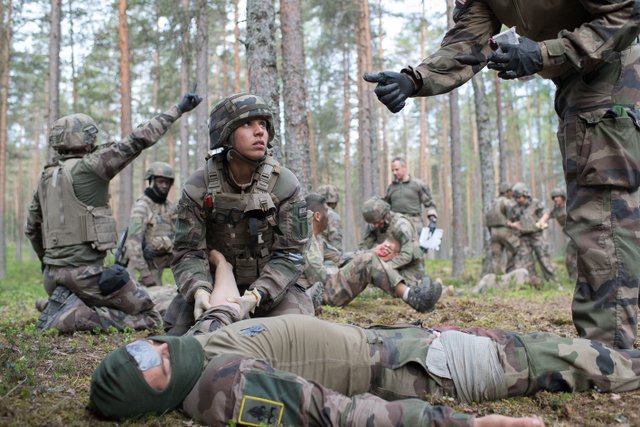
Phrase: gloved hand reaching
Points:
(516, 60)
(393, 88)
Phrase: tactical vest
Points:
(560, 214)
(528, 218)
(241, 225)
(495, 216)
(160, 226)
(68, 221)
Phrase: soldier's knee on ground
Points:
(66, 312)
(122, 292)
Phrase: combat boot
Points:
(67, 313)
(423, 297)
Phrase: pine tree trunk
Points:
(53, 104)
(185, 54)
(4, 95)
(202, 73)
(351, 231)
(502, 148)
(126, 176)
(236, 47)
(262, 60)
(487, 169)
(295, 92)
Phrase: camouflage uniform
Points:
(503, 238)
(150, 237)
(274, 371)
(409, 262)
(408, 198)
(333, 233)
(261, 229)
(571, 251)
(589, 49)
(74, 274)
(532, 241)
(342, 285)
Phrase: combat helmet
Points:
(159, 169)
(504, 187)
(330, 192)
(375, 209)
(72, 132)
(558, 192)
(520, 189)
(231, 112)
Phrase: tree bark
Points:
(456, 178)
(53, 111)
(502, 148)
(185, 54)
(4, 95)
(262, 60)
(126, 176)
(295, 92)
(236, 47)
(487, 172)
(202, 73)
(351, 231)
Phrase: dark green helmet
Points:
(504, 187)
(520, 189)
(72, 132)
(159, 169)
(375, 209)
(330, 192)
(558, 192)
(231, 112)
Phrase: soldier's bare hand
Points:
(247, 304)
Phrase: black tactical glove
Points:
(392, 89)
(188, 102)
(516, 60)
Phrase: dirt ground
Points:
(44, 379)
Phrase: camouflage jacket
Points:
(91, 176)
(152, 227)
(284, 261)
(498, 212)
(266, 371)
(409, 261)
(409, 197)
(574, 36)
(560, 214)
(528, 215)
(333, 232)
(314, 268)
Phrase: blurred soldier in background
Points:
(71, 227)
(152, 226)
(504, 240)
(530, 217)
(559, 212)
(333, 233)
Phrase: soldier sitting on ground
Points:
(152, 225)
(300, 370)
(71, 227)
(339, 286)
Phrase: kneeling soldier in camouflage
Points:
(299, 370)
(71, 227)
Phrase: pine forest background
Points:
(123, 61)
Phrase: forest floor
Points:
(44, 378)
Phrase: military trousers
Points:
(599, 139)
(533, 247)
(503, 241)
(343, 285)
(279, 370)
(128, 307)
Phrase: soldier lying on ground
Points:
(300, 370)
(71, 227)
(342, 285)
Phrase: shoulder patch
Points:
(256, 411)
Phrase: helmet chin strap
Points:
(234, 154)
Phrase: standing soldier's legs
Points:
(524, 257)
(496, 253)
(541, 252)
(601, 163)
